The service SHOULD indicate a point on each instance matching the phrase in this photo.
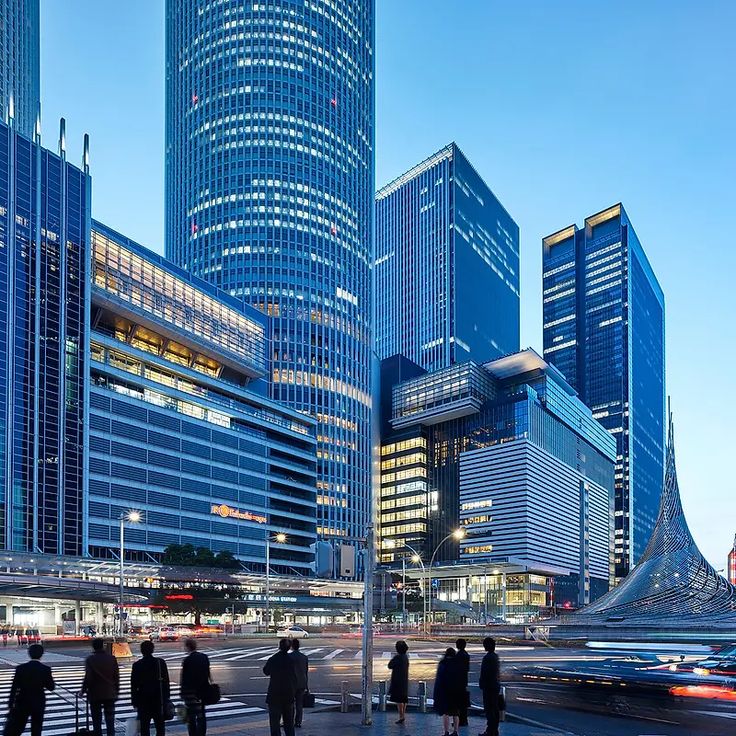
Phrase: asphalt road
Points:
(237, 665)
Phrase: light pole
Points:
(417, 560)
(133, 517)
(503, 592)
(280, 538)
(457, 534)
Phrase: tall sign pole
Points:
(367, 673)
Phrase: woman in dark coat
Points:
(398, 691)
(449, 693)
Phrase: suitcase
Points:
(81, 730)
(308, 699)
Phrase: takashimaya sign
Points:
(228, 512)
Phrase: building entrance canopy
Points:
(673, 584)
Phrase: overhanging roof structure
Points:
(673, 585)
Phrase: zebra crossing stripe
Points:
(334, 654)
(60, 708)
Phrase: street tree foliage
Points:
(187, 555)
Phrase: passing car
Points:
(721, 662)
(293, 632)
(165, 633)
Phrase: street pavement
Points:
(335, 662)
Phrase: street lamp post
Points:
(133, 517)
(457, 534)
(280, 538)
(417, 560)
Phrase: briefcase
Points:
(308, 699)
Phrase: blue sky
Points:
(563, 107)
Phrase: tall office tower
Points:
(19, 63)
(604, 329)
(732, 564)
(447, 266)
(44, 252)
(269, 176)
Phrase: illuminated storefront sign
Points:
(228, 512)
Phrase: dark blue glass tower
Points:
(19, 63)
(604, 328)
(269, 176)
(447, 266)
(44, 313)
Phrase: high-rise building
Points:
(269, 177)
(44, 252)
(447, 266)
(604, 328)
(177, 431)
(732, 564)
(19, 64)
(492, 449)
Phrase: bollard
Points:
(344, 696)
(422, 696)
(382, 696)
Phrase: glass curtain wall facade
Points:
(44, 252)
(604, 328)
(520, 398)
(19, 64)
(176, 431)
(447, 266)
(269, 161)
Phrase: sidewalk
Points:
(348, 724)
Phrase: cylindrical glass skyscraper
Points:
(269, 176)
(19, 63)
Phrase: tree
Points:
(186, 555)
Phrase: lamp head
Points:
(281, 537)
(459, 533)
(416, 558)
(134, 516)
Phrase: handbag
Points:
(132, 727)
(167, 706)
(308, 699)
(211, 694)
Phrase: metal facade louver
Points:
(672, 583)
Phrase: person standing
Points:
(463, 665)
(301, 667)
(398, 689)
(448, 691)
(150, 688)
(281, 690)
(490, 685)
(27, 697)
(194, 683)
(101, 685)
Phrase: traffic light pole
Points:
(367, 667)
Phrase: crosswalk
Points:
(60, 716)
(261, 654)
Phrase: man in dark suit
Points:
(194, 682)
(150, 689)
(28, 694)
(490, 685)
(463, 664)
(281, 690)
(101, 684)
(301, 667)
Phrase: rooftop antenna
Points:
(62, 138)
(85, 154)
(37, 134)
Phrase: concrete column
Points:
(77, 615)
(100, 617)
